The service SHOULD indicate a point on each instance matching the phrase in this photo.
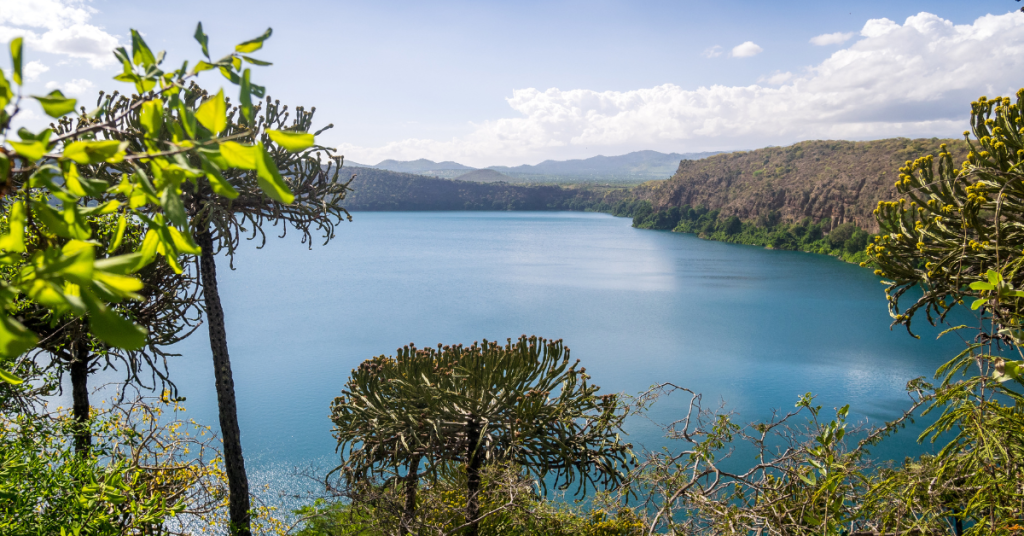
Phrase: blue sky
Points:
(476, 81)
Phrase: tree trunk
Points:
(234, 464)
(474, 461)
(411, 484)
(80, 396)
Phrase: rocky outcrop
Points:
(839, 180)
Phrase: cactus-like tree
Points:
(522, 403)
(266, 171)
(957, 234)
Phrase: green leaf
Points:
(270, 180)
(151, 116)
(15, 338)
(32, 151)
(255, 61)
(981, 285)
(291, 141)
(978, 303)
(202, 66)
(994, 277)
(16, 59)
(120, 264)
(174, 209)
(141, 54)
(203, 39)
(80, 269)
(220, 186)
(122, 284)
(5, 167)
(10, 378)
(183, 242)
(122, 224)
(240, 156)
(110, 327)
(253, 45)
(245, 97)
(94, 152)
(14, 241)
(212, 113)
(55, 104)
(5, 91)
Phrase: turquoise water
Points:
(751, 327)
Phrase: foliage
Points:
(807, 479)
(956, 234)
(144, 470)
(846, 240)
(510, 503)
(523, 403)
(164, 162)
(73, 165)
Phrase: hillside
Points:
(839, 180)
(484, 175)
(383, 190)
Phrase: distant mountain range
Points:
(637, 166)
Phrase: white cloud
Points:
(914, 79)
(837, 38)
(57, 27)
(76, 87)
(746, 50)
(33, 69)
(712, 52)
(776, 78)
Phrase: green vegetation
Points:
(846, 240)
(88, 206)
(102, 214)
(460, 409)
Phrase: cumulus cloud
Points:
(910, 79)
(837, 38)
(78, 86)
(776, 78)
(58, 27)
(33, 69)
(712, 52)
(746, 50)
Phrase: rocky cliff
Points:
(839, 180)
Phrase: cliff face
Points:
(841, 180)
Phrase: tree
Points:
(522, 404)
(279, 179)
(957, 234)
(168, 310)
(132, 157)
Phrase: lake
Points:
(751, 327)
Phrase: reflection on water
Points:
(751, 327)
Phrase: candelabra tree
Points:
(522, 403)
(957, 233)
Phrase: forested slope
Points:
(382, 190)
(839, 180)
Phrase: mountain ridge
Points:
(636, 166)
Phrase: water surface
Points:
(744, 325)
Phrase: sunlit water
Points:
(744, 325)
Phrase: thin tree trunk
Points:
(411, 485)
(474, 461)
(80, 396)
(234, 463)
